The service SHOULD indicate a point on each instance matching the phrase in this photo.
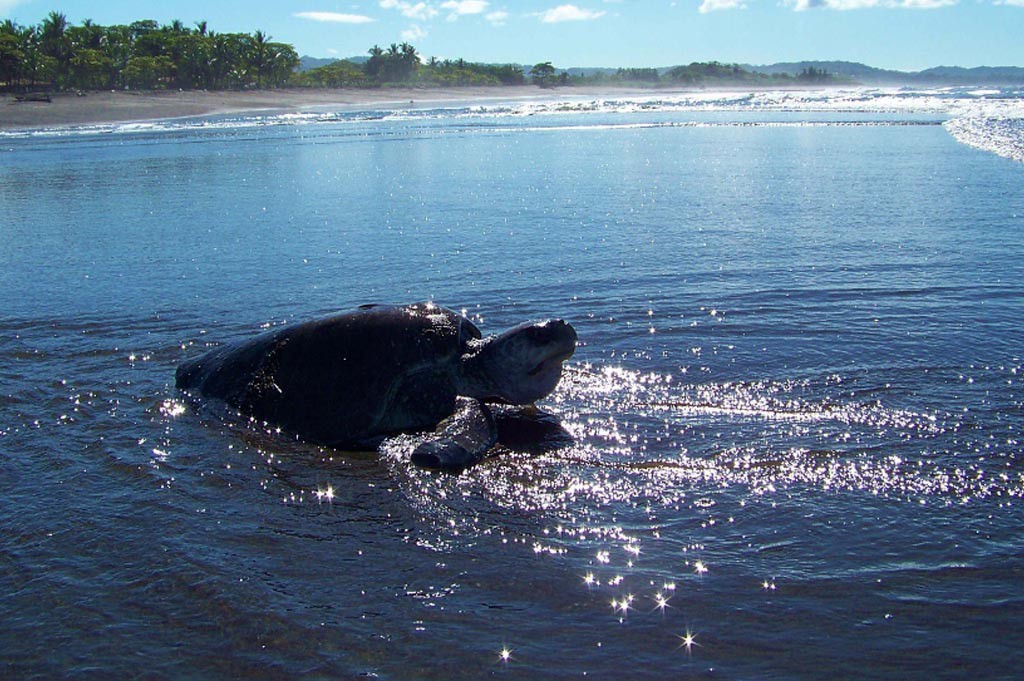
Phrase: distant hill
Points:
(981, 75)
(869, 75)
(584, 71)
(307, 63)
(846, 70)
(861, 73)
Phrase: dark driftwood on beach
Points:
(33, 97)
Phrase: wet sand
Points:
(116, 106)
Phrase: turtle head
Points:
(523, 364)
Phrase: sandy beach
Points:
(116, 106)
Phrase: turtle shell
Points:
(344, 380)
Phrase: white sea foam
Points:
(984, 118)
(1003, 136)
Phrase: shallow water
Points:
(795, 412)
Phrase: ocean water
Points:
(795, 412)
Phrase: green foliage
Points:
(397, 64)
(142, 55)
(813, 75)
(146, 73)
(11, 58)
(337, 74)
(712, 73)
(89, 67)
(637, 75)
(147, 55)
(459, 72)
(543, 74)
(401, 65)
(705, 72)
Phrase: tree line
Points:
(140, 55)
(708, 74)
(146, 55)
(402, 64)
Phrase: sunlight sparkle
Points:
(688, 641)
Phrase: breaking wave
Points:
(987, 119)
(1002, 136)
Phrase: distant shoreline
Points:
(98, 107)
(69, 109)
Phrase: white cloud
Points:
(716, 5)
(1013, 3)
(7, 5)
(843, 5)
(804, 5)
(334, 17)
(498, 18)
(426, 11)
(419, 11)
(460, 7)
(569, 13)
(413, 33)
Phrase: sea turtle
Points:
(351, 380)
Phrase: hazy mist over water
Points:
(795, 411)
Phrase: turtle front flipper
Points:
(459, 441)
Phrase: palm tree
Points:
(11, 55)
(409, 62)
(54, 43)
(258, 57)
(93, 33)
(29, 43)
(227, 58)
(543, 74)
(117, 46)
(409, 53)
(375, 64)
(54, 27)
(281, 62)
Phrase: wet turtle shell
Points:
(343, 381)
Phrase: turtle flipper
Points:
(459, 441)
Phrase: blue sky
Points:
(899, 34)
